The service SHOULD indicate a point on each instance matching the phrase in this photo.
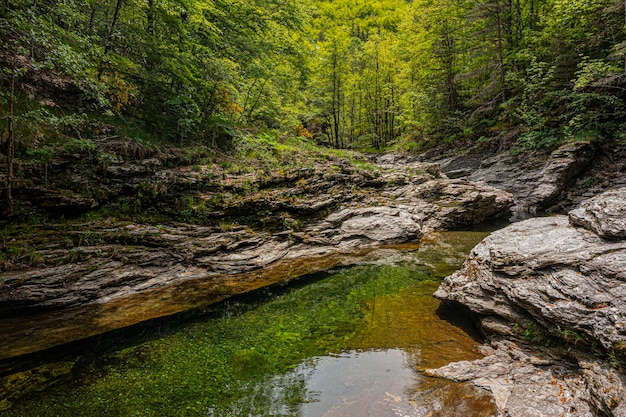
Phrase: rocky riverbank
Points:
(90, 277)
(556, 182)
(200, 233)
(551, 295)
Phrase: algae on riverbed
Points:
(217, 365)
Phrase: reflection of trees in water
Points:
(280, 395)
(382, 383)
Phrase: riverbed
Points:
(349, 342)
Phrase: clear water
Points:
(380, 383)
(351, 344)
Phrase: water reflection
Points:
(380, 376)
(378, 383)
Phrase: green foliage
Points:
(531, 334)
(43, 155)
(178, 66)
(570, 336)
(78, 146)
(592, 71)
(554, 70)
(539, 139)
(364, 75)
(357, 75)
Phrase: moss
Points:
(249, 361)
(17, 385)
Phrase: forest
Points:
(263, 207)
(355, 74)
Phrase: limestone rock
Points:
(59, 201)
(523, 385)
(536, 184)
(564, 165)
(605, 214)
(380, 224)
(545, 279)
(546, 271)
(607, 387)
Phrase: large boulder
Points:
(541, 188)
(549, 280)
(549, 272)
(537, 182)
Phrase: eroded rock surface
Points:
(117, 274)
(550, 281)
(536, 183)
(605, 215)
(522, 384)
(540, 189)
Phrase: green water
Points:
(351, 344)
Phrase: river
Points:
(350, 342)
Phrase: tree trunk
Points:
(247, 99)
(109, 38)
(500, 55)
(92, 17)
(150, 17)
(448, 60)
(507, 20)
(336, 101)
(258, 99)
(10, 144)
(116, 14)
(378, 102)
(518, 20)
(351, 137)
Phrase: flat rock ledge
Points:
(550, 293)
(125, 273)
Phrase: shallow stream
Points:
(351, 343)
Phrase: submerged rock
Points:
(548, 280)
(33, 380)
